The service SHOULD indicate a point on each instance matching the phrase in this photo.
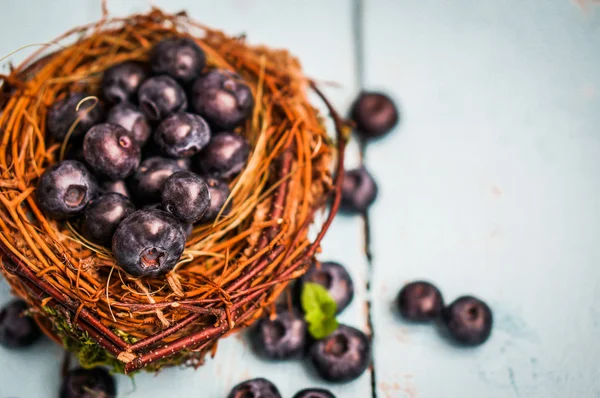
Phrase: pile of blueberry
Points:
(158, 161)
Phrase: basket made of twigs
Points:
(231, 270)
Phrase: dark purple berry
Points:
(148, 243)
(103, 215)
(179, 57)
(63, 114)
(182, 135)
(17, 330)
(314, 393)
(359, 191)
(224, 156)
(121, 82)
(333, 277)
(88, 383)
(342, 356)
(255, 388)
(111, 151)
(118, 186)
(65, 188)
(282, 337)
(222, 98)
(375, 114)
(130, 118)
(420, 302)
(161, 96)
(186, 196)
(219, 192)
(147, 181)
(468, 321)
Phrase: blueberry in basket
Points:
(186, 196)
(111, 151)
(130, 118)
(120, 83)
(182, 135)
(219, 192)
(103, 215)
(161, 96)
(224, 157)
(179, 57)
(148, 179)
(63, 114)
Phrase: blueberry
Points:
(130, 118)
(62, 114)
(224, 156)
(222, 98)
(342, 356)
(375, 114)
(148, 243)
(17, 330)
(103, 215)
(161, 96)
(255, 388)
(111, 151)
(283, 337)
(181, 58)
(219, 192)
(420, 302)
(359, 191)
(468, 321)
(147, 181)
(118, 186)
(333, 277)
(120, 83)
(186, 196)
(182, 135)
(88, 383)
(65, 188)
(314, 393)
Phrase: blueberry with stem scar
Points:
(146, 183)
(468, 321)
(314, 393)
(375, 114)
(255, 388)
(103, 215)
(420, 302)
(148, 243)
(282, 337)
(130, 118)
(179, 57)
(120, 82)
(182, 135)
(186, 196)
(222, 98)
(224, 157)
(161, 96)
(63, 114)
(65, 188)
(17, 330)
(111, 151)
(88, 383)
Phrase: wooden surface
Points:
(489, 186)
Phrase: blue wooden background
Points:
(490, 186)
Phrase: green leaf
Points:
(319, 309)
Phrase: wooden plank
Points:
(488, 187)
(321, 35)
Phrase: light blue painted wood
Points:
(321, 35)
(489, 187)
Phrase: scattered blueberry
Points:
(186, 196)
(255, 388)
(181, 58)
(375, 114)
(148, 243)
(342, 356)
(314, 393)
(118, 186)
(333, 277)
(88, 383)
(161, 96)
(468, 321)
(130, 118)
(103, 215)
(182, 135)
(219, 192)
(65, 188)
(420, 302)
(62, 114)
(111, 151)
(147, 181)
(222, 98)
(17, 330)
(359, 191)
(224, 156)
(121, 82)
(283, 337)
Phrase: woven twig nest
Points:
(231, 270)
